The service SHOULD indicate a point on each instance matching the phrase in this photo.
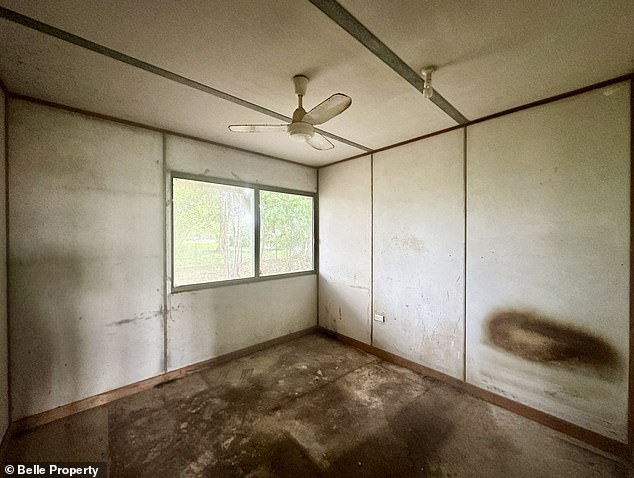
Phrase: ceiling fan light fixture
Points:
(300, 131)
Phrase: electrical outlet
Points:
(379, 318)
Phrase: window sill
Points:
(231, 282)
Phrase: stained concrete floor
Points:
(312, 407)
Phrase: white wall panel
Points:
(86, 256)
(212, 322)
(87, 259)
(548, 257)
(345, 255)
(204, 159)
(419, 251)
(207, 323)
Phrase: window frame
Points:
(256, 187)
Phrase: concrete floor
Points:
(311, 408)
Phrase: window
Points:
(216, 233)
(286, 235)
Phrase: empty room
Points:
(316, 238)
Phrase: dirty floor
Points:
(312, 407)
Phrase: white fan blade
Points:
(328, 109)
(319, 142)
(258, 128)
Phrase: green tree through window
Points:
(213, 232)
(286, 236)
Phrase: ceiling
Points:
(491, 56)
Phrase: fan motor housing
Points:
(300, 130)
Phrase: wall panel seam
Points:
(317, 244)
(630, 395)
(371, 249)
(165, 252)
(464, 259)
(6, 252)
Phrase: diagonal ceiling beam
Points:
(350, 24)
(29, 22)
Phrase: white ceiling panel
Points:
(491, 56)
(251, 49)
(494, 55)
(37, 65)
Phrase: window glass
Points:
(213, 232)
(286, 233)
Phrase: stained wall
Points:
(90, 299)
(419, 251)
(206, 323)
(548, 258)
(345, 233)
(534, 207)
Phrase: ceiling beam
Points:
(33, 24)
(515, 109)
(350, 24)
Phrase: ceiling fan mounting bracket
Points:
(301, 83)
(427, 70)
(428, 91)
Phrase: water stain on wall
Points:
(410, 243)
(538, 338)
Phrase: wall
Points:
(547, 254)
(4, 352)
(392, 241)
(87, 259)
(211, 322)
(345, 236)
(548, 258)
(419, 251)
(85, 256)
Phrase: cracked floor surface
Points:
(313, 407)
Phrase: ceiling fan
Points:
(302, 127)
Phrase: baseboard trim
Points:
(595, 439)
(63, 411)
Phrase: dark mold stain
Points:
(123, 322)
(137, 317)
(537, 338)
